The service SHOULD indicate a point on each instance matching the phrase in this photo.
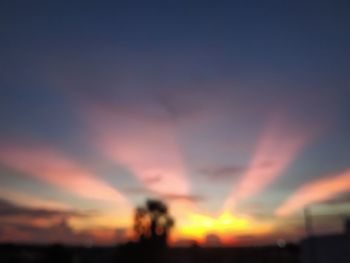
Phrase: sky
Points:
(235, 113)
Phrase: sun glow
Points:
(226, 226)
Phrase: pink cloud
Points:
(277, 148)
(52, 167)
(144, 145)
(316, 191)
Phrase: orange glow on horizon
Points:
(226, 226)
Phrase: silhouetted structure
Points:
(327, 248)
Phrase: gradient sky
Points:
(234, 112)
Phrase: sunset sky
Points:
(236, 113)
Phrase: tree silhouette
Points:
(152, 223)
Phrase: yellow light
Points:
(226, 225)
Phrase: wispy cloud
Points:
(277, 148)
(316, 191)
(52, 167)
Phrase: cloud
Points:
(222, 172)
(212, 240)
(167, 196)
(277, 148)
(341, 200)
(189, 198)
(229, 171)
(52, 167)
(136, 191)
(60, 232)
(145, 146)
(153, 180)
(182, 106)
(9, 209)
(30, 200)
(257, 210)
(41, 225)
(316, 191)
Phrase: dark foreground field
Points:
(131, 253)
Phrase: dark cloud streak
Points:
(167, 196)
(222, 172)
(8, 209)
